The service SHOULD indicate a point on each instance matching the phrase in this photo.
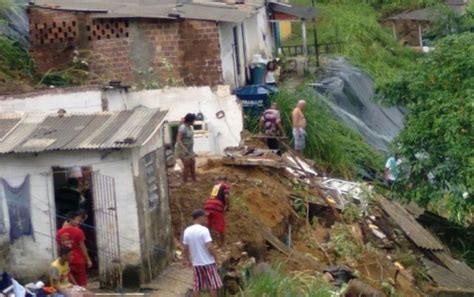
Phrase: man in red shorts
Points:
(216, 206)
(200, 252)
(72, 237)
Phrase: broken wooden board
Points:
(254, 162)
(280, 246)
(419, 235)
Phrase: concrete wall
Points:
(155, 223)
(80, 99)
(29, 259)
(227, 52)
(257, 38)
(179, 101)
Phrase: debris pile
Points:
(283, 211)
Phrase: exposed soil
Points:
(256, 196)
(260, 196)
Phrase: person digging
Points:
(216, 206)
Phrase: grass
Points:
(336, 149)
(276, 283)
(366, 43)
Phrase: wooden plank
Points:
(280, 246)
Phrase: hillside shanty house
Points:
(409, 27)
(198, 43)
(121, 160)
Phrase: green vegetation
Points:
(437, 143)
(14, 60)
(278, 283)
(366, 43)
(4, 5)
(336, 149)
(344, 245)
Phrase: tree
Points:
(438, 141)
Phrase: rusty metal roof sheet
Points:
(419, 235)
(302, 12)
(458, 267)
(445, 277)
(163, 9)
(35, 133)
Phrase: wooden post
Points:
(420, 36)
(305, 44)
(394, 29)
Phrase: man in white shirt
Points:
(391, 169)
(201, 253)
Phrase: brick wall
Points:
(53, 37)
(199, 52)
(128, 49)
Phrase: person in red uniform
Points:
(216, 206)
(71, 236)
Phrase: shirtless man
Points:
(299, 126)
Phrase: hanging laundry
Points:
(19, 209)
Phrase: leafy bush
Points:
(343, 244)
(335, 148)
(14, 60)
(437, 143)
(366, 43)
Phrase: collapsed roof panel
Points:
(419, 235)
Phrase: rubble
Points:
(265, 190)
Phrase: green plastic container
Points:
(257, 73)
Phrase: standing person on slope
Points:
(270, 122)
(185, 147)
(216, 206)
(202, 255)
(299, 127)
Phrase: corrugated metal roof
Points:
(429, 14)
(222, 13)
(7, 125)
(168, 9)
(302, 12)
(36, 133)
(458, 267)
(446, 278)
(419, 235)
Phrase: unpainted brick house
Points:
(205, 43)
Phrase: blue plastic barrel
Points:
(257, 73)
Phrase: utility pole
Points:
(315, 35)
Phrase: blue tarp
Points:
(255, 98)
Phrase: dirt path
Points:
(174, 281)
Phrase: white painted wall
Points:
(259, 37)
(179, 101)
(31, 259)
(71, 101)
(229, 72)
